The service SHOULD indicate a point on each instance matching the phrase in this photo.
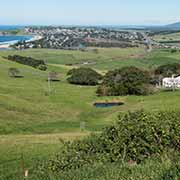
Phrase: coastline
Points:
(7, 44)
(35, 38)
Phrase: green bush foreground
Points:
(162, 168)
(135, 137)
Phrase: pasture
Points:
(167, 37)
(32, 120)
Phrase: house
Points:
(173, 82)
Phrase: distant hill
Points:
(174, 25)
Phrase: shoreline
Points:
(35, 38)
(6, 45)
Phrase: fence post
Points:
(22, 164)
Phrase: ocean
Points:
(12, 38)
(6, 28)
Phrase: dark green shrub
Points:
(135, 137)
(28, 61)
(152, 168)
(128, 80)
(168, 69)
(42, 67)
(83, 76)
(173, 50)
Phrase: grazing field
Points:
(32, 120)
(172, 39)
(167, 37)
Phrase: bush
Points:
(28, 61)
(168, 69)
(173, 50)
(128, 80)
(135, 137)
(83, 76)
(153, 169)
(42, 67)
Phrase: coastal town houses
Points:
(170, 83)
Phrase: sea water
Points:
(12, 38)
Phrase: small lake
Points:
(107, 104)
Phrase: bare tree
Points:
(53, 76)
(13, 72)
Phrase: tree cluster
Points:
(125, 81)
(84, 76)
(39, 64)
(168, 70)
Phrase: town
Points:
(80, 37)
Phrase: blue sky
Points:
(89, 12)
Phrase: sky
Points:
(89, 12)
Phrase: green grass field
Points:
(167, 37)
(31, 122)
(172, 39)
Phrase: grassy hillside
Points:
(31, 122)
(101, 58)
(172, 39)
(167, 37)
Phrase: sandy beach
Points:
(4, 46)
(35, 38)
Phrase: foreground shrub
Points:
(40, 64)
(173, 173)
(83, 76)
(135, 137)
(155, 169)
(128, 80)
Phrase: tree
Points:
(53, 76)
(42, 67)
(28, 61)
(83, 76)
(13, 72)
(168, 69)
(173, 50)
(125, 81)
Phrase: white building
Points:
(171, 82)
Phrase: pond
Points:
(107, 104)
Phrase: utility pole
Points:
(49, 83)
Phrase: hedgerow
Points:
(40, 64)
